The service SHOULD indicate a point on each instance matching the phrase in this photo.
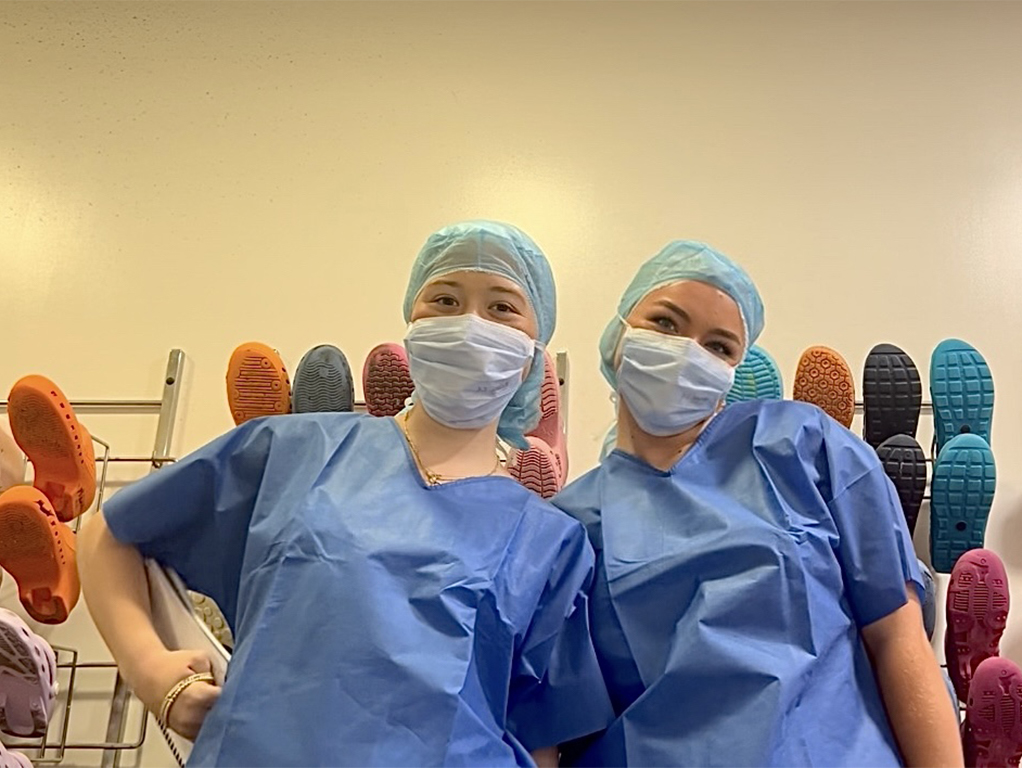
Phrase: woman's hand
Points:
(165, 670)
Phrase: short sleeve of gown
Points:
(875, 547)
(194, 515)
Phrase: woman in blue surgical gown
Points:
(395, 597)
(756, 598)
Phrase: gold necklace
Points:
(435, 478)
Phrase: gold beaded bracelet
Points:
(177, 690)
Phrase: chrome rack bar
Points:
(109, 406)
(926, 408)
(563, 376)
(167, 408)
(141, 459)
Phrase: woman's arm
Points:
(116, 591)
(924, 722)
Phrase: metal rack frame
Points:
(115, 744)
(563, 375)
(61, 745)
(926, 408)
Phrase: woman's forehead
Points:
(468, 279)
(695, 293)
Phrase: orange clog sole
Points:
(38, 551)
(59, 447)
(257, 383)
(824, 379)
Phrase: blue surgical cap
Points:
(499, 249)
(683, 260)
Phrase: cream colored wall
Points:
(202, 174)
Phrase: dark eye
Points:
(445, 301)
(665, 323)
(504, 307)
(720, 349)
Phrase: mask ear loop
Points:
(602, 436)
(617, 350)
(745, 327)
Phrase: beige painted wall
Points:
(201, 174)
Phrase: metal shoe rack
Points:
(50, 749)
(926, 409)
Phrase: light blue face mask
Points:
(670, 383)
(466, 369)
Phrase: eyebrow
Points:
(510, 291)
(494, 289)
(685, 316)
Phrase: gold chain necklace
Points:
(435, 478)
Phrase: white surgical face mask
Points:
(670, 383)
(466, 369)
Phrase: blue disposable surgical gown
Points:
(378, 621)
(730, 591)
